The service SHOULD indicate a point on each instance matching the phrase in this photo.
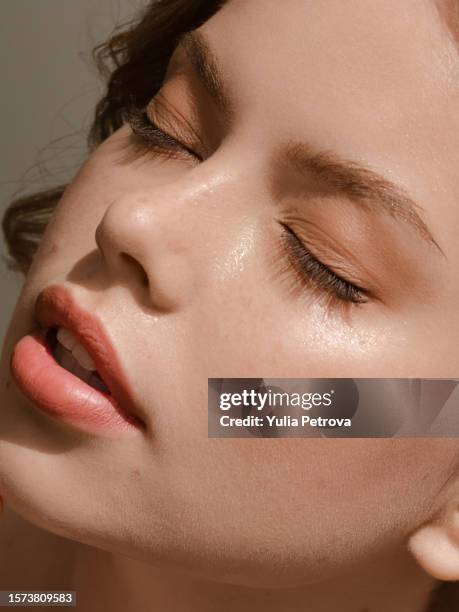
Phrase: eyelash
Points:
(310, 270)
(150, 138)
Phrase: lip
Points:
(59, 393)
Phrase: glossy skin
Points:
(222, 301)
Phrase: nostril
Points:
(136, 267)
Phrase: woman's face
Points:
(341, 126)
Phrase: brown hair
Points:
(133, 61)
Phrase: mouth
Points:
(70, 369)
(74, 358)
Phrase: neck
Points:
(106, 581)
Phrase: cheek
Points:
(255, 328)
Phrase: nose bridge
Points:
(154, 237)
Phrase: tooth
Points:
(83, 358)
(66, 338)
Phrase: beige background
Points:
(48, 91)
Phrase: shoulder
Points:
(31, 558)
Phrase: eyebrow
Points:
(204, 62)
(358, 182)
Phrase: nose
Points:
(145, 242)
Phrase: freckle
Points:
(8, 384)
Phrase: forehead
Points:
(384, 53)
(377, 82)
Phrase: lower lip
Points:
(60, 394)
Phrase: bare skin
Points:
(38, 560)
(192, 523)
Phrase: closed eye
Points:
(148, 137)
(311, 271)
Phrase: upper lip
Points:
(57, 307)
